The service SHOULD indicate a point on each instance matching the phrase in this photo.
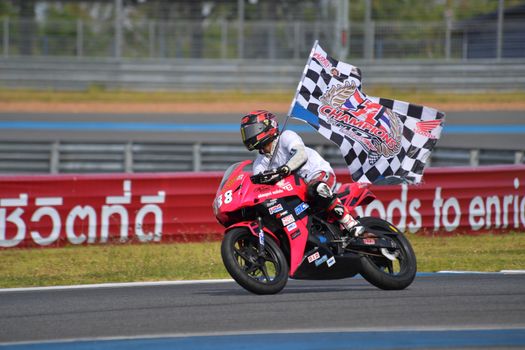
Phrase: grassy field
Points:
(97, 95)
(188, 261)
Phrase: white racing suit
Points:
(290, 151)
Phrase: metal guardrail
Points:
(69, 157)
(81, 74)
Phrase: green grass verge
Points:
(100, 95)
(188, 261)
(471, 253)
(110, 263)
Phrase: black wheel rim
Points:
(263, 268)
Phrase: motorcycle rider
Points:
(287, 153)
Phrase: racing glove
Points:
(284, 170)
(273, 175)
(270, 176)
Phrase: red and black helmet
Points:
(258, 128)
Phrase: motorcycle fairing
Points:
(237, 192)
(293, 225)
(326, 265)
(297, 240)
(227, 198)
(345, 266)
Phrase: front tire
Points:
(266, 274)
(383, 272)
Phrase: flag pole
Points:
(316, 43)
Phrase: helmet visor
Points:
(251, 131)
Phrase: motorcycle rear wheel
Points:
(381, 271)
(266, 274)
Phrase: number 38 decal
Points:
(227, 198)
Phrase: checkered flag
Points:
(381, 140)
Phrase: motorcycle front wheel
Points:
(396, 272)
(265, 273)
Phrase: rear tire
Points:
(265, 274)
(382, 272)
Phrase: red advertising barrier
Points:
(92, 209)
(455, 200)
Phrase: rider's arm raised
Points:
(298, 159)
(296, 148)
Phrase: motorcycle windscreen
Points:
(236, 168)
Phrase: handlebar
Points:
(266, 177)
(262, 177)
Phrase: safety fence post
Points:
(6, 37)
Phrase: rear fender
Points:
(380, 228)
(254, 229)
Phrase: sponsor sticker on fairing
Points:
(285, 185)
(321, 260)
(313, 257)
(369, 241)
(268, 194)
(270, 203)
(287, 220)
(281, 214)
(296, 234)
(330, 262)
(275, 209)
(291, 227)
(300, 208)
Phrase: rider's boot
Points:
(346, 220)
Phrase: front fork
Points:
(261, 236)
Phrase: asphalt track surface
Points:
(488, 130)
(446, 311)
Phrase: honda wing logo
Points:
(425, 128)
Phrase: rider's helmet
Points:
(258, 128)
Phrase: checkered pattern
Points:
(364, 162)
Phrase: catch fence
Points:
(270, 40)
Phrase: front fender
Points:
(254, 229)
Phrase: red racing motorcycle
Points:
(272, 234)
